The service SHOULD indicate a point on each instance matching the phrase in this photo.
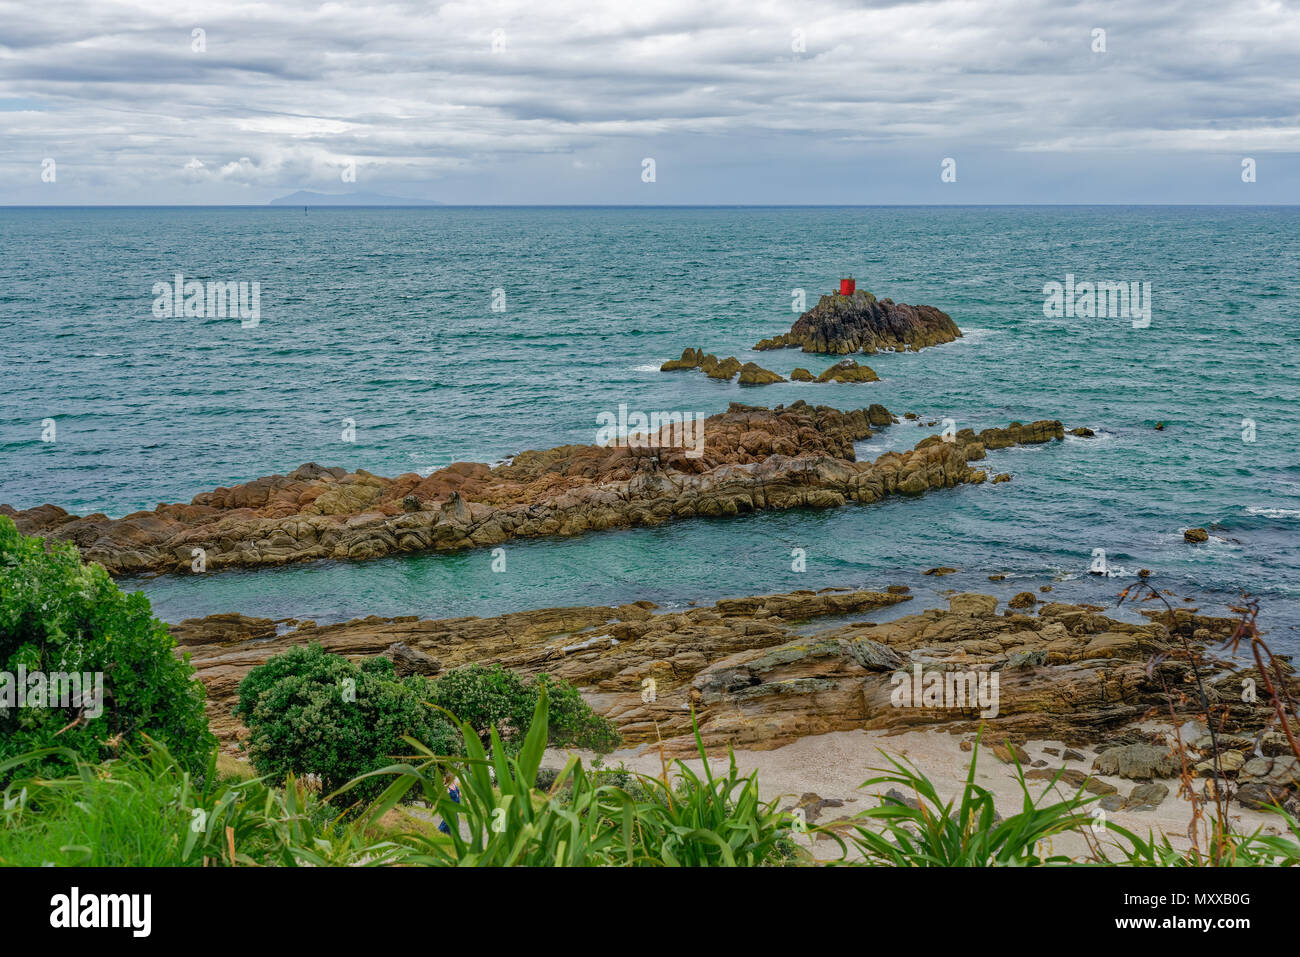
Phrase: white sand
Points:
(835, 765)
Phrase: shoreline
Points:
(764, 673)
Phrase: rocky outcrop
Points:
(691, 359)
(1196, 536)
(762, 671)
(848, 370)
(411, 661)
(748, 458)
(840, 325)
(223, 628)
(751, 373)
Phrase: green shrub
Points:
(488, 697)
(309, 712)
(299, 721)
(59, 615)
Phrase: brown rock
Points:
(1010, 753)
(726, 369)
(840, 325)
(848, 370)
(751, 373)
(762, 671)
(745, 459)
(410, 661)
(691, 359)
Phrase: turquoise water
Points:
(383, 316)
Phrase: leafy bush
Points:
(503, 820)
(310, 712)
(299, 721)
(494, 697)
(59, 615)
(147, 810)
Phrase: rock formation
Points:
(840, 325)
(751, 373)
(750, 458)
(848, 370)
(760, 672)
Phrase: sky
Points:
(566, 101)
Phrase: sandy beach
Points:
(833, 767)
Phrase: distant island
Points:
(306, 198)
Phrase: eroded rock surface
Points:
(742, 460)
(840, 325)
(763, 671)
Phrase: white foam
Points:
(1273, 512)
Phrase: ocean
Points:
(383, 318)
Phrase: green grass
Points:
(150, 811)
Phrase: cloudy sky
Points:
(736, 101)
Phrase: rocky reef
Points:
(748, 458)
(751, 373)
(762, 671)
(839, 325)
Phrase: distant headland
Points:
(307, 198)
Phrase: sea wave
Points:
(1269, 512)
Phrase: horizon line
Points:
(435, 205)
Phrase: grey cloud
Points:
(414, 94)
